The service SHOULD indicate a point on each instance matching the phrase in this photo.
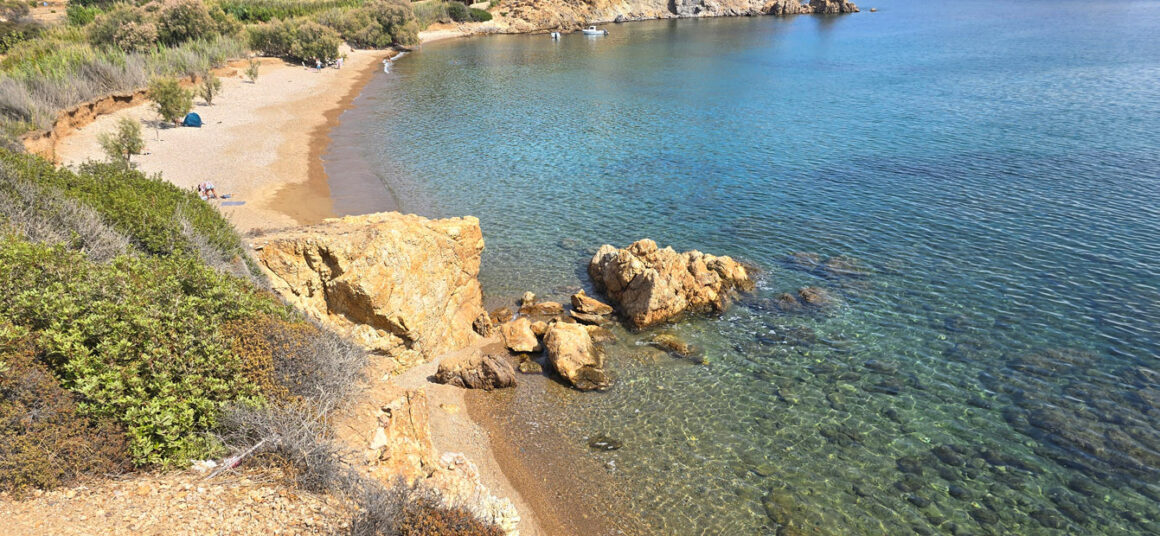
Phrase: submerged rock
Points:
(672, 344)
(816, 297)
(573, 355)
(652, 285)
(530, 366)
(844, 266)
(600, 335)
(474, 370)
(603, 442)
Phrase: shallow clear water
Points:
(996, 166)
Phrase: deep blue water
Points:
(996, 167)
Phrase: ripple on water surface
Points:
(992, 166)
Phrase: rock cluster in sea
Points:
(652, 285)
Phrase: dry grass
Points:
(43, 214)
(41, 77)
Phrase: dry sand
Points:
(260, 142)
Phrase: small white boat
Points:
(592, 30)
(555, 35)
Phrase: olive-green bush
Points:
(138, 340)
(44, 441)
(296, 39)
(158, 217)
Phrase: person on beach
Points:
(318, 64)
(206, 191)
(338, 63)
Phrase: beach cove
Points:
(935, 396)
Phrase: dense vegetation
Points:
(109, 47)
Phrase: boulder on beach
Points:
(528, 299)
(575, 357)
(586, 304)
(652, 285)
(585, 318)
(501, 315)
(519, 337)
(548, 308)
(473, 369)
(482, 325)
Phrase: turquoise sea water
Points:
(995, 166)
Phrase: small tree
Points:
(210, 86)
(124, 142)
(252, 71)
(170, 100)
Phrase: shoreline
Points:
(263, 143)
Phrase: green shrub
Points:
(44, 441)
(209, 87)
(185, 20)
(299, 40)
(79, 15)
(138, 340)
(124, 142)
(268, 10)
(479, 15)
(13, 33)
(127, 28)
(458, 12)
(377, 24)
(314, 41)
(170, 100)
(158, 217)
(252, 71)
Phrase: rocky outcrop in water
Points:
(832, 7)
(652, 285)
(401, 285)
(532, 15)
(472, 369)
(575, 357)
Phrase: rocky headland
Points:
(521, 16)
(404, 286)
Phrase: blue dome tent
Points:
(192, 120)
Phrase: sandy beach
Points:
(262, 143)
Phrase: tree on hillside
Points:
(170, 100)
(124, 142)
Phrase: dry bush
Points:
(44, 215)
(403, 510)
(43, 441)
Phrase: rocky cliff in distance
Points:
(401, 285)
(532, 15)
